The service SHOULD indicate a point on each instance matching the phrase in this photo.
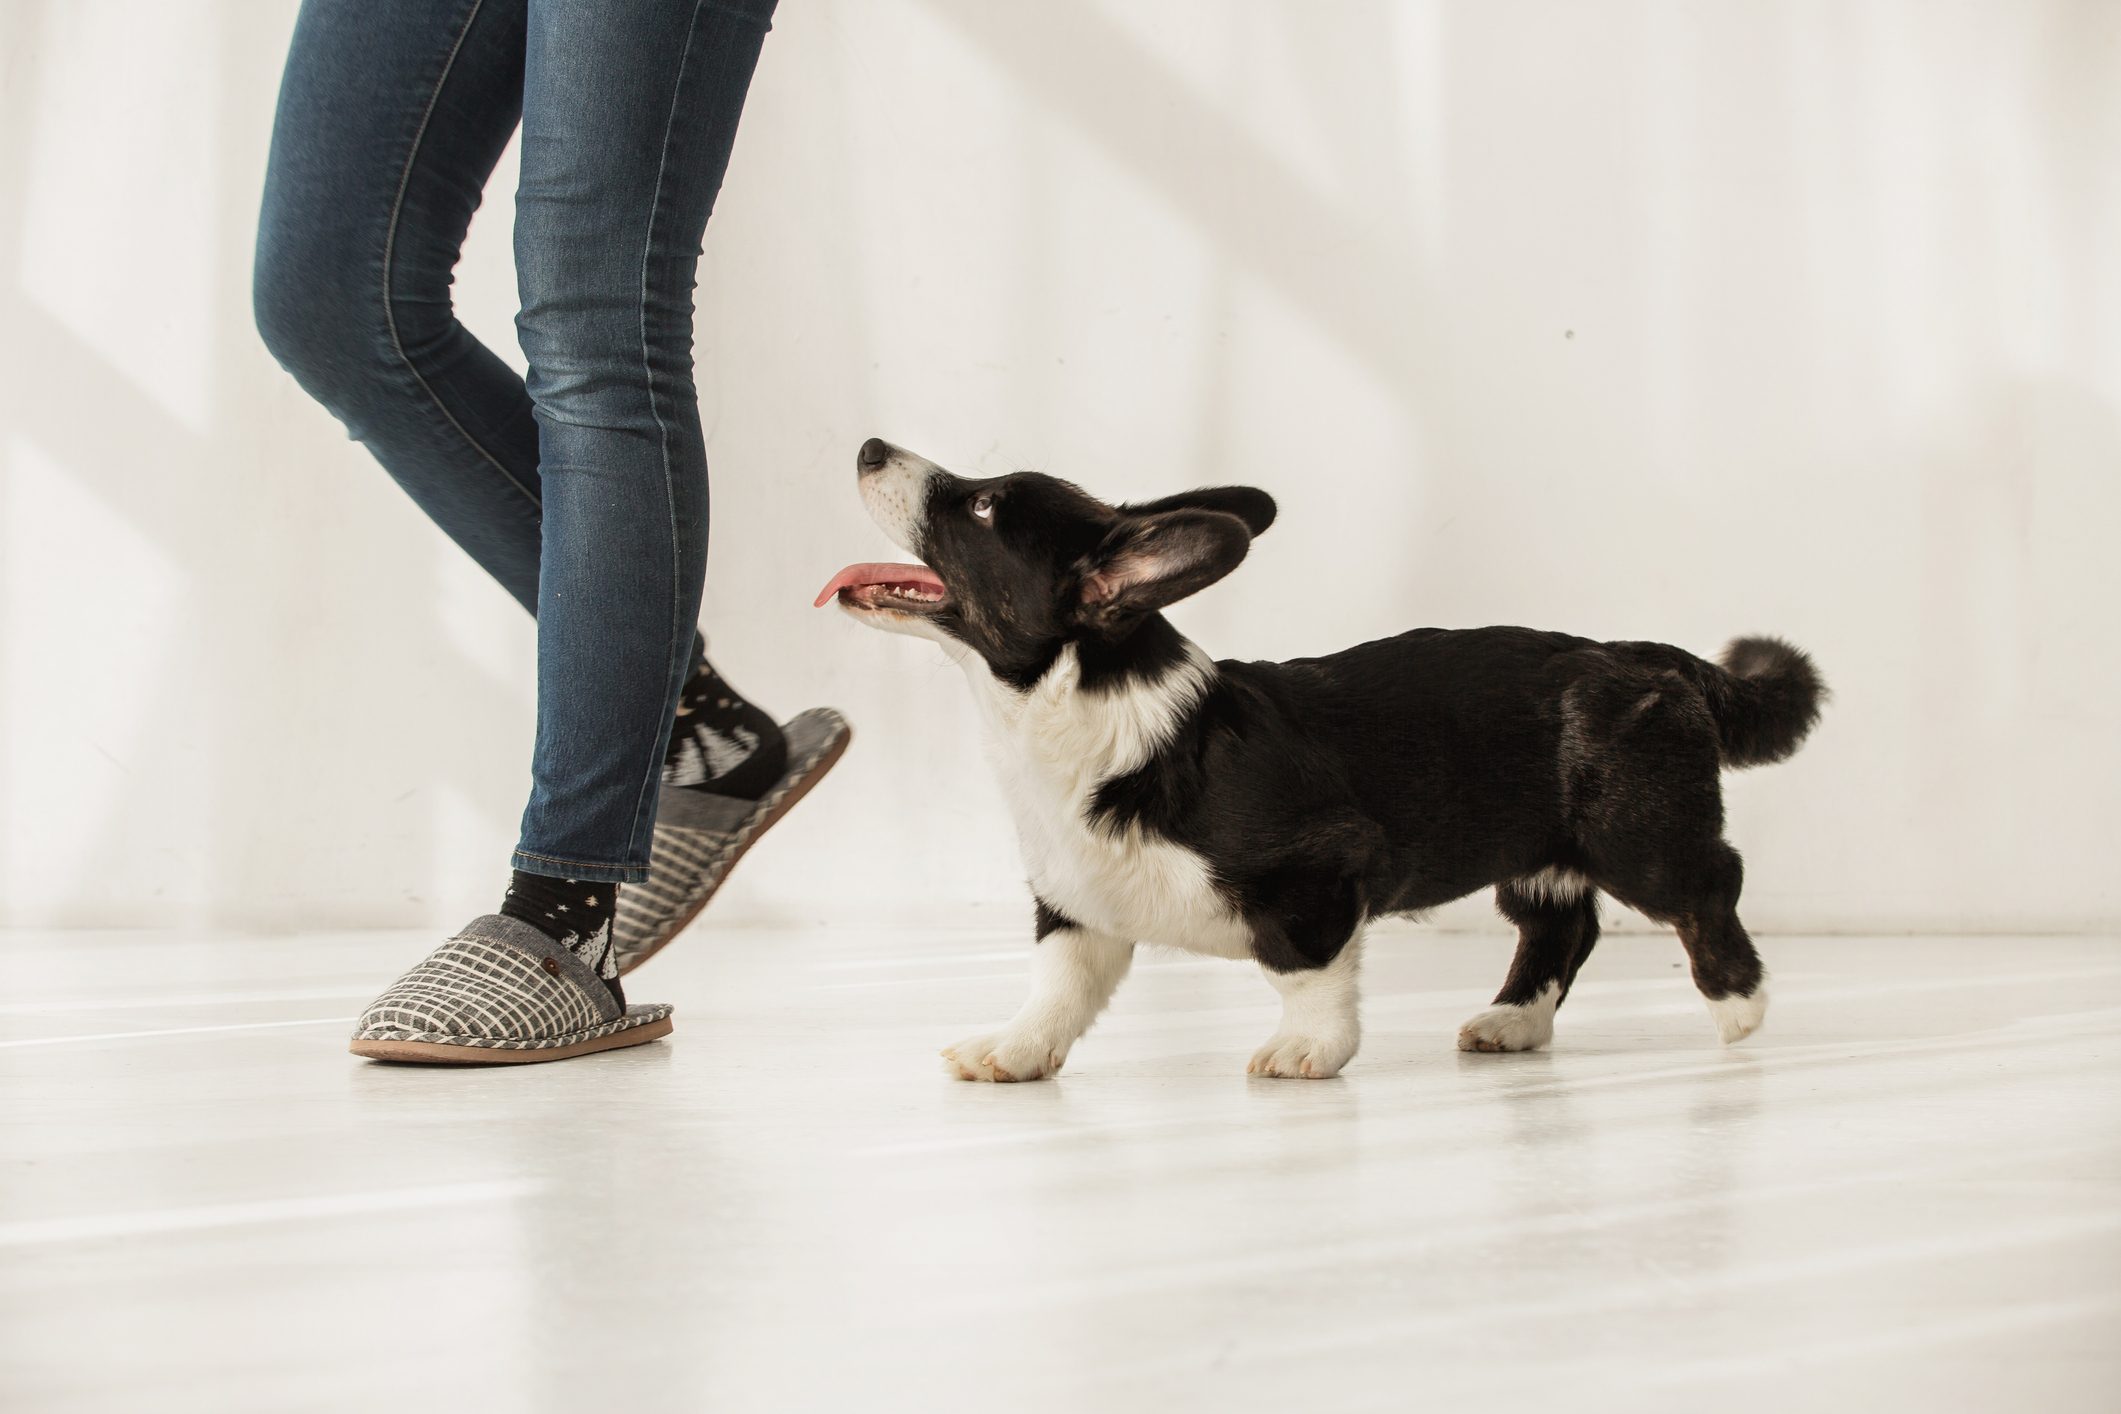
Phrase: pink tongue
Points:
(856, 575)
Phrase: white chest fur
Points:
(1052, 747)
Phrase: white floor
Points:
(1901, 1195)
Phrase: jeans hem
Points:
(553, 868)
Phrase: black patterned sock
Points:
(721, 743)
(575, 913)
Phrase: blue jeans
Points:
(582, 489)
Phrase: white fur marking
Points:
(1738, 1017)
(896, 495)
(1513, 1028)
(1552, 885)
(1052, 747)
(1321, 1020)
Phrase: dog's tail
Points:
(1765, 697)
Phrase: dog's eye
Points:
(983, 506)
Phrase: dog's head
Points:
(1014, 568)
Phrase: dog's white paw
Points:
(1738, 1017)
(1291, 1057)
(1508, 1028)
(1002, 1057)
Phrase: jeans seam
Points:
(390, 245)
(655, 207)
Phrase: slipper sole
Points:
(446, 1053)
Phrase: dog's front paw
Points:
(1508, 1028)
(1303, 1057)
(1002, 1057)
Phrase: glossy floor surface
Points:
(1904, 1194)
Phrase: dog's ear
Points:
(1150, 560)
(1248, 503)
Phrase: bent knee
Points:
(327, 316)
(319, 325)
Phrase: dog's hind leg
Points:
(1726, 967)
(1700, 898)
(1646, 800)
(1556, 913)
(1074, 972)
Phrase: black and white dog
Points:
(1269, 810)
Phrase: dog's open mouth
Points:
(906, 589)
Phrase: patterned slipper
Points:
(699, 837)
(500, 992)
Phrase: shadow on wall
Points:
(1355, 268)
(167, 782)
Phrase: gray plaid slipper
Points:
(699, 837)
(500, 992)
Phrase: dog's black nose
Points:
(874, 453)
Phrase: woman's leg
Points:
(630, 109)
(392, 115)
(391, 118)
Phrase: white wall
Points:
(1643, 320)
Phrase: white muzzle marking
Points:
(896, 496)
